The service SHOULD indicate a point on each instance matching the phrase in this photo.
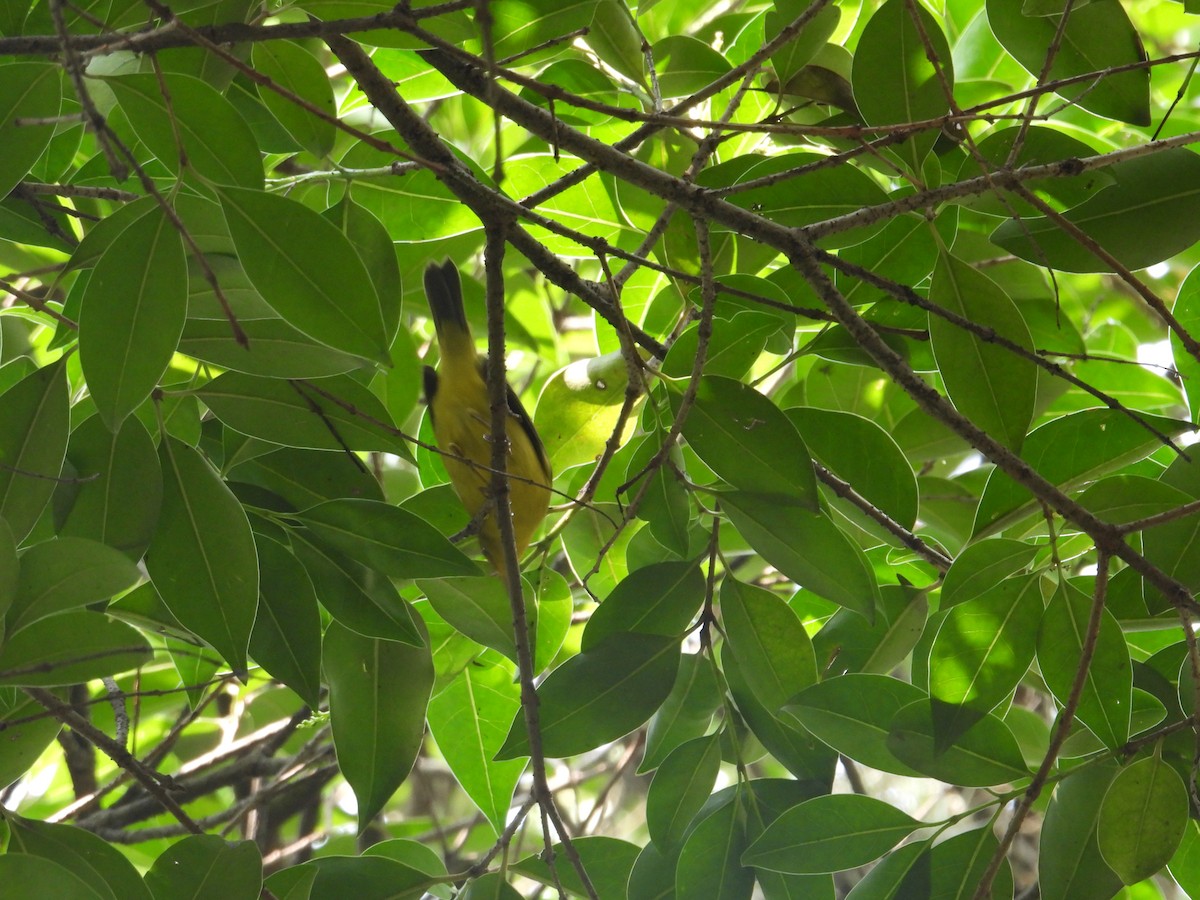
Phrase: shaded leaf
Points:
(599, 695)
(830, 834)
(66, 573)
(386, 538)
(1105, 702)
(95, 861)
(314, 280)
(378, 694)
(202, 558)
(662, 598)
(286, 640)
(853, 714)
(1097, 37)
(469, 720)
(71, 648)
(1142, 219)
(769, 640)
(987, 383)
(120, 495)
(807, 547)
(205, 867)
(319, 414)
(197, 124)
(34, 423)
(133, 312)
(1142, 819)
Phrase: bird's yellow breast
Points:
(462, 426)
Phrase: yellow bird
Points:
(460, 411)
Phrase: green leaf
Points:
(491, 886)
(95, 861)
(1069, 861)
(133, 312)
(830, 834)
(985, 646)
(120, 494)
(1172, 547)
(202, 559)
(955, 867)
(198, 125)
(387, 539)
(1142, 819)
(885, 877)
(27, 731)
(1142, 219)
(686, 65)
(607, 861)
(286, 640)
(894, 81)
(205, 867)
(981, 566)
(904, 251)
(1039, 146)
(1126, 498)
(64, 574)
(853, 713)
(662, 598)
(1097, 37)
(34, 423)
(1187, 312)
(29, 90)
(314, 279)
(378, 694)
(680, 788)
(9, 567)
(469, 720)
(799, 751)
(652, 876)
(276, 349)
(615, 38)
(578, 409)
(860, 452)
(1066, 452)
(1106, 702)
(666, 506)
(745, 438)
(478, 607)
(806, 547)
(305, 478)
(1184, 865)
(319, 414)
(735, 345)
(849, 643)
(824, 193)
(293, 68)
(600, 694)
(985, 754)
(378, 253)
(710, 863)
(798, 52)
(416, 207)
(987, 383)
(34, 876)
(71, 648)
(363, 877)
(354, 595)
(769, 640)
(685, 714)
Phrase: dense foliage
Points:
(862, 342)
